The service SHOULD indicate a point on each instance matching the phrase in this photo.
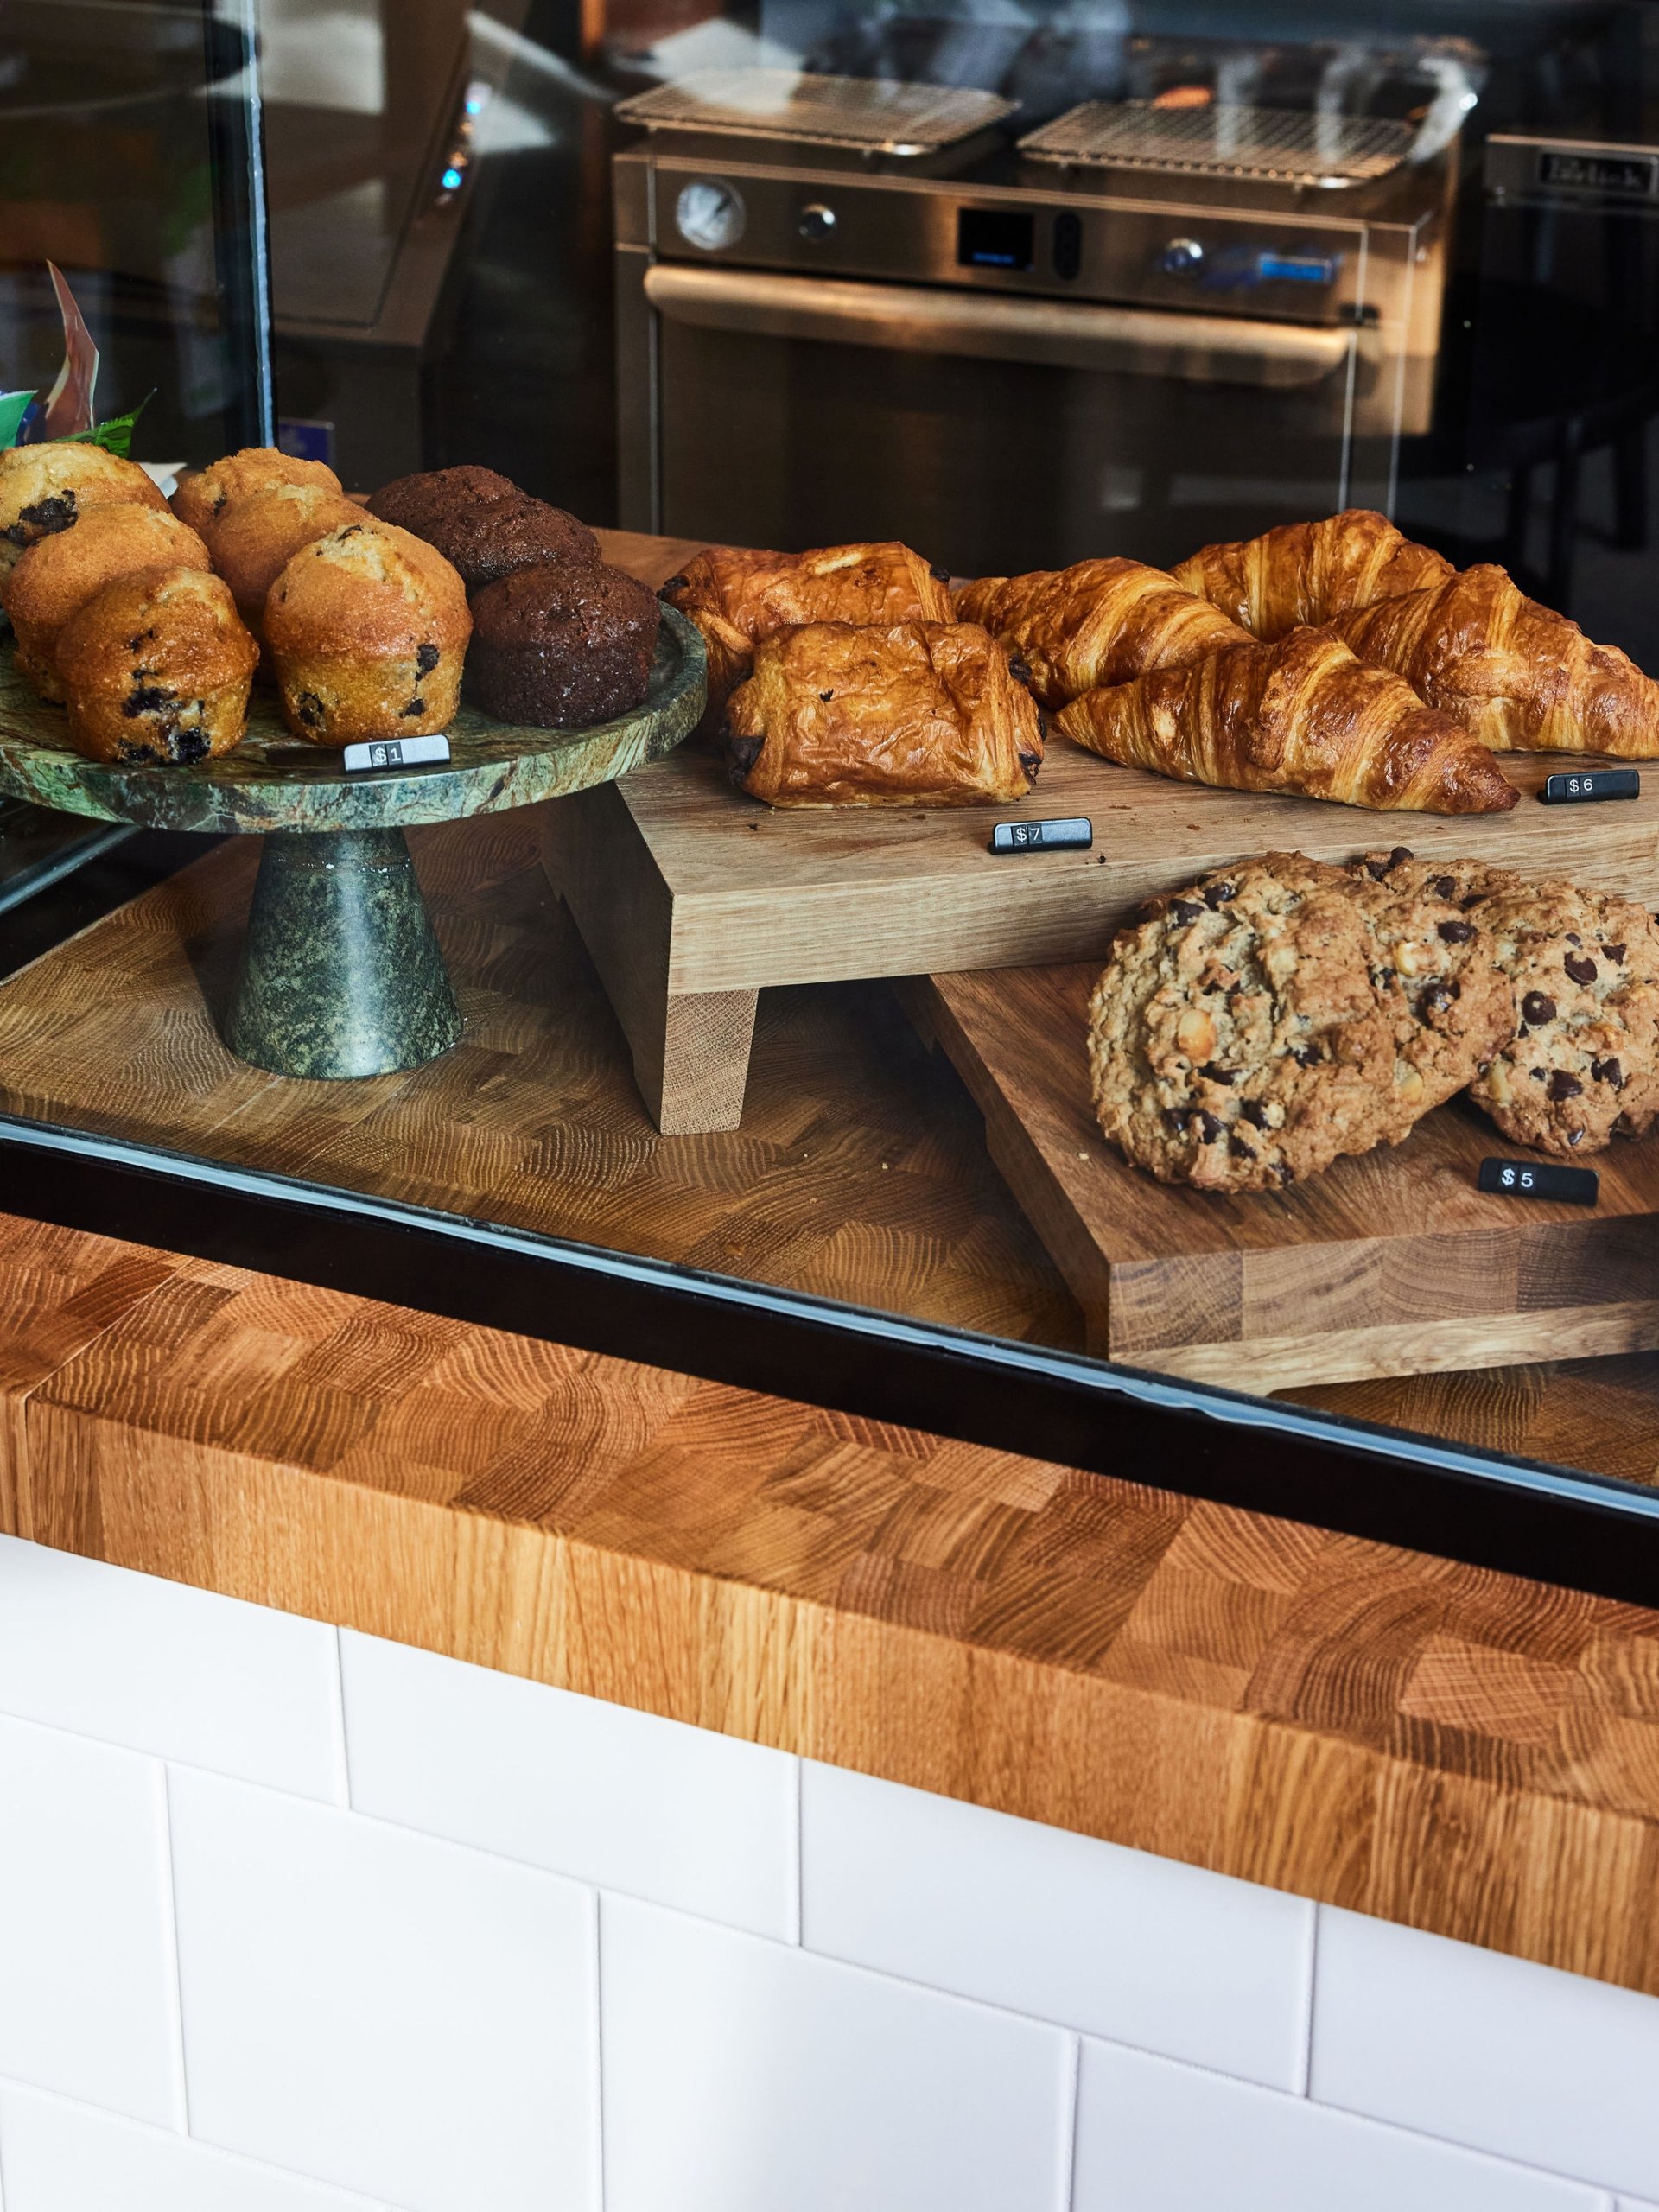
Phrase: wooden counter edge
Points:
(1297, 1806)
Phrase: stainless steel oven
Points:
(1130, 331)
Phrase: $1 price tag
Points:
(1540, 1178)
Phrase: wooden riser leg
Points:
(692, 1071)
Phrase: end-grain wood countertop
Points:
(1436, 1745)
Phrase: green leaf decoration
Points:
(12, 407)
(115, 436)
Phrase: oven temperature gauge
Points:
(710, 215)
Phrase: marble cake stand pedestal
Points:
(340, 972)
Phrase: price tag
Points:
(395, 753)
(1074, 836)
(1540, 1179)
(1573, 789)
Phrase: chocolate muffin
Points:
(482, 523)
(44, 489)
(562, 644)
(155, 669)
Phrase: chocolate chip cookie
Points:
(1237, 1040)
(1584, 1065)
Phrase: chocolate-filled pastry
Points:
(1522, 678)
(56, 574)
(736, 598)
(155, 669)
(1096, 622)
(1300, 716)
(203, 494)
(43, 488)
(909, 713)
(367, 628)
(482, 524)
(563, 644)
(1311, 571)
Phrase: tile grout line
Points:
(340, 1745)
(597, 1923)
(1069, 2090)
(1316, 1913)
(176, 1979)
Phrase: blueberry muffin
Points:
(55, 575)
(203, 494)
(44, 488)
(367, 631)
(562, 644)
(482, 524)
(155, 669)
(259, 533)
(1238, 1040)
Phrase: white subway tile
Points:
(747, 2076)
(1156, 2137)
(64, 2157)
(86, 1956)
(1482, 2049)
(163, 1669)
(1113, 1942)
(382, 2010)
(678, 1815)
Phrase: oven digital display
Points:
(1617, 176)
(996, 238)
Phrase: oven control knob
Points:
(817, 220)
(710, 213)
(1182, 258)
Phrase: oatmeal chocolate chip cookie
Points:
(1436, 968)
(1236, 1039)
(1584, 1065)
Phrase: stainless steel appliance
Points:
(851, 310)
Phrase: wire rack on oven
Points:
(1268, 144)
(874, 115)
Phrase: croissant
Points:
(911, 714)
(1311, 571)
(1301, 714)
(736, 598)
(1097, 622)
(1522, 678)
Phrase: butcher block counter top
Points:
(1436, 1745)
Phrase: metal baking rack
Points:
(871, 115)
(1262, 144)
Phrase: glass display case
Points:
(1192, 1017)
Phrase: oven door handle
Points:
(1000, 326)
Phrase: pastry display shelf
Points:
(341, 973)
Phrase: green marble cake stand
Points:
(340, 972)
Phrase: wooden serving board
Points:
(691, 898)
(1389, 1263)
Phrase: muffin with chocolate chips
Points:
(563, 644)
(58, 573)
(45, 488)
(1237, 1040)
(203, 494)
(368, 629)
(482, 524)
(155, 669)
(259, 533)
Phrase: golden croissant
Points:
(1311, 571)
(1522, 678)
(736, 598)
(906, 714)
(1096, 622)
(1302, 715)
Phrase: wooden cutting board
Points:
(1391, 1263)
(691, 898)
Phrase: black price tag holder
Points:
(1074, 835)
(1540, 1178)
(1581, 787)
